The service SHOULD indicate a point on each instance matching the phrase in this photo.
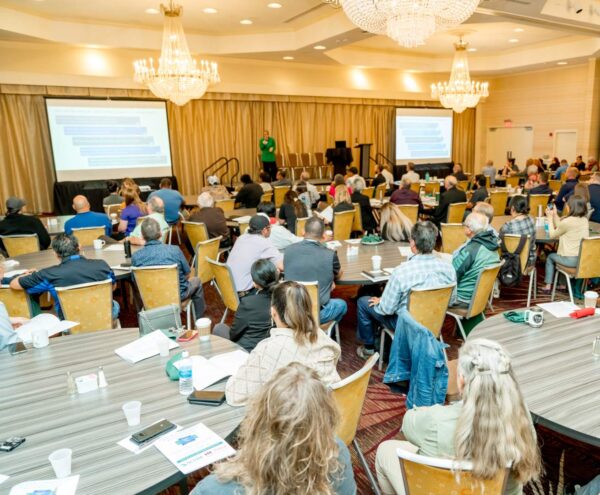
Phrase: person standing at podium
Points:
(267, 155)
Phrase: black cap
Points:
(258, 222)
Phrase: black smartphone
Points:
(207, 397)
(11, 443)
(152, 431)
(17, 348)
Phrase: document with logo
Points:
(62, 486)
(194, 448)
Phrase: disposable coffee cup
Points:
(203, 327)
(61, 462)
(590, 298)
(132, 412)
(39, 338)
(163, 347)
(534, 317)
(99, 243)
(376, 261)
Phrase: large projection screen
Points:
(423, 135)
(108, 139)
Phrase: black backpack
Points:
(511, 270)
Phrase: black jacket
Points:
(18, 224)
(366, 212)
(252, 322)
(249, 195)
(451, 196)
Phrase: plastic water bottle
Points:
(186, 384)
(427, 176)
(547, 228)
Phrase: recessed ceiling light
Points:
(152, 11)
(471, 49)
(247, 22)
(274, 5)
(209, 10)
(513, 40)
(288, 57)
(518, 30)
(320, 47)
(562, 63)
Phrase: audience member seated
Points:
(303, 195)
(286, 442)
(357, 184)
(134, 209)
(490, 427)
(350, 173)
(489, 171)
(594, 192)
(569, 230)
(282, 179)
(249, 247)
(479, 194)
(249, 195)
(291, 209)
(73, 269)
(216, 190)
(510, 168)
(295, 338)
(423, 270)
(457, 171)
(86, 218)
(581, 190)
(280, 236)
(554, 164)
(311, 189)
(16, 223)
(213, 217)
(404, 195)
(128, 183)
(155, 253)
(591, 166)
(173, 200)
(579, 163)
(394, 225)
(542, 186)
(572, 175)
(342, 200)
(310, 261)
(521, 224)
(338, 180)
(450, 196)
(156, 210)
(379, 178)
(252, 322)
(8, 325)
(411, 175)
(265, 182)
(479, 252)
(113, 198)
(564, 165)
(487, 210)
(389, 177)
(532, 177)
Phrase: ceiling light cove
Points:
(152, 11)
(471, 49)
(320, 47)
(210, 10)
(274, 5)
(518, 30)
(513, 40)
(562, 63)
(246, 22)
(288, 57)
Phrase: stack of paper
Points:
(561, 309)
(327, 214)
(115, 247)
(405, 251)
(144, 347)
(46, 321)
(244, 219)
(205, 372)
(62, 486)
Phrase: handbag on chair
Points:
(165, 318)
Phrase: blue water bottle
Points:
(186, 384)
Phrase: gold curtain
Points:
(463, 139)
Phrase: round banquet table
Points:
(557, 373)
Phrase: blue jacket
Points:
(416, 355)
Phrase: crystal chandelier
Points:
(179, 77)
(336, 4)
(459, 92)
(408, 22)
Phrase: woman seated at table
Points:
(480, 192)
(521, 223)
(252, 322)
(134, 208)
(292, 209)
(286, 443)
(394, 225)
(510, 168)
(338, 180)
(569, 230)
(491, 426)
(582, 190)
(342, 201)
(128, 183)
(296, 337)
(265, 182)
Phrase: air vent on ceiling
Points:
(302, 14)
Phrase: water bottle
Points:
(546, 228)
(127, 247)
(426, 176)
(186, 384)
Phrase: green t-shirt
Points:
(265, 154)
(160, 218)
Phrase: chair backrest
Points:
(488, 181)
(225, 204)
(300, 223)
(224, 279)
(16, 245)
(313, 291)
(463, 185)
(17, 302)
(349, 395)
(357, 225)
(380, 191)
(416, 187)
(89, 304)
(279, 161)
(342, 224)
(428, 307)
(329, 198)
(195, 231)
(483, 289)
(243, 226)
(537, 200)
(368, 192)
(511, 241)
(109, 209)
(555, 184)
(435, 476)
(498, 201)
(305, 159)
(158, 285)
(456, 212)
(432, 187)
(512, 181)
(293, 160)
(88, 235)
(589, 258)
(206, 249)
(453, 236)
(411, 211)
(319, 158)
(279, 193)
(267, 197)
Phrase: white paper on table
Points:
(205, 372)
(46, 321)
(405, 251)
(3, 478)
(62, 486)
(121, 268)
(14, 273)
(333, 244)
(9, 263)
(561, 309)
(327, 214)
(244, 219)
(115, 247)
(130, 445)
(375, 202)
(194, 448)
(143, 348)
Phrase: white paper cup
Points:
(376, 261)
(203, 326)
(132, 412)
(163, 347)
(590, 299)
(61, 462)
(39, 338)
(99, 243)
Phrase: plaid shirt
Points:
(422, 271)
(522, 225)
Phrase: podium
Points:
(340, 158)
(363, 161)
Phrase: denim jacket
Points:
(416, 355)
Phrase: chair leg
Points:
(365, 466)
(337, 336)
(170, 233)
(570, 289)
(554, 285)
(224, 315)
(460, 327)
(534, 275)
(530, 289)
(178, 235)
(381, 346)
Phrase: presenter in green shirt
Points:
(267, 154)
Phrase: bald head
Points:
(450, 182)
(304, 176)
(156, 205)
(81, 204)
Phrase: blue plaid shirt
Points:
(157, 253)
(422, 271)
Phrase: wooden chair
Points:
(16, 245)
(300, 223)
(329, 327)
(196, 232)
(368, 192)
(432, 187)
(416, 187)
(225, 204)
(536, 201)
(411, 211)
(453, 236)
(498, 201)
(481, 295)
(267, 197)
(279, 193)
(279, 160)
(329, 198)
(158, 286)
(305, 160)
(588, 266)
(88, 235)
(205, 249)
(110, 209)
(380, 191)
(225, 286)
(342, 224)
(17, 302)
(437, 476)
(293, 160)
(428, 308)
(512, 243)
(488, 182)
(357, 225)
(456, 212)
(349, 395)
(463, 185)
(555, 185)
(89, 304)
(512, 181)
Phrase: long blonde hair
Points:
(397, 224)
(294, 307)
(341, 195)
(287, 439)
(494, 428)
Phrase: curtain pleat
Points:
(463, 139)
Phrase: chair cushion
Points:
(567, 269)
(458, 311)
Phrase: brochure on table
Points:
(145, 347)
(63, 486)
(46, 321)
(205, 372)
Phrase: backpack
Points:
(510, 272)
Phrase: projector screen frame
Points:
(108, 98)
